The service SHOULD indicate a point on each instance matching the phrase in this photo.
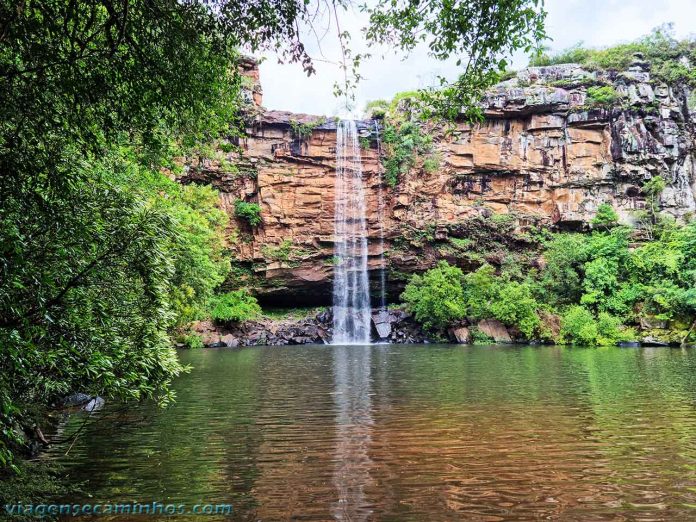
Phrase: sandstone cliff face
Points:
(545, 155)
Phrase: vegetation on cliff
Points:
(671, 60)
(599, 287)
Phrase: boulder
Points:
(229, 340)
(382, 321)
(97, 403)
(461, 334)
(495, 329)
(650, 323)
(76, 399)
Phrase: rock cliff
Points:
(547, 154)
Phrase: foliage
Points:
(235, 307)
(598, 283)
(303, 131)
(664, 53)
(436, 299)
(469, 29)
(516, 306)
(431, 164)
(250, 212)
(403, 144)
(192, 341)
(649, 218)
(481, 289)
(580, 326)
(602, 95)
(606, 216)
(100, 255)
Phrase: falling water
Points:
(382, 264)
(351, 289)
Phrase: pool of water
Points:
(421, 432)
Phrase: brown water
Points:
(409, 433)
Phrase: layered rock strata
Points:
(546, 154)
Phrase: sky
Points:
(596, 23)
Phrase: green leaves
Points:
(250, 212)
(235, 307)
(404, 143)
(482, 32)
(436, 298)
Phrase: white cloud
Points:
(594, 22)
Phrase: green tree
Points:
(580, 326)
(481, 290)
(436, 299)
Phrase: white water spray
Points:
(382, 264)
(351, 287)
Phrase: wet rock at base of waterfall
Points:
(382, 322)
(495, 329)
(229, 340)
(405, 330)
(461, 334)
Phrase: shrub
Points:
(579, 326)
(251, 212)
(481, 289)
(606, 216)
(193, 341)
(436, 299)
(602, 95)
(431, 164)
(235, 307)
(403, 144)
(515, 306)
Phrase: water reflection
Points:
(409, 433)
(354, 424)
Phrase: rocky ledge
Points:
(395, 326)
(392, 326)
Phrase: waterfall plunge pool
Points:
(407, 432)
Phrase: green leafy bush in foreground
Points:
(580, 326)
(436, 298)
(235, 307)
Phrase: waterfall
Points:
(351, 288)
(380, 215)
